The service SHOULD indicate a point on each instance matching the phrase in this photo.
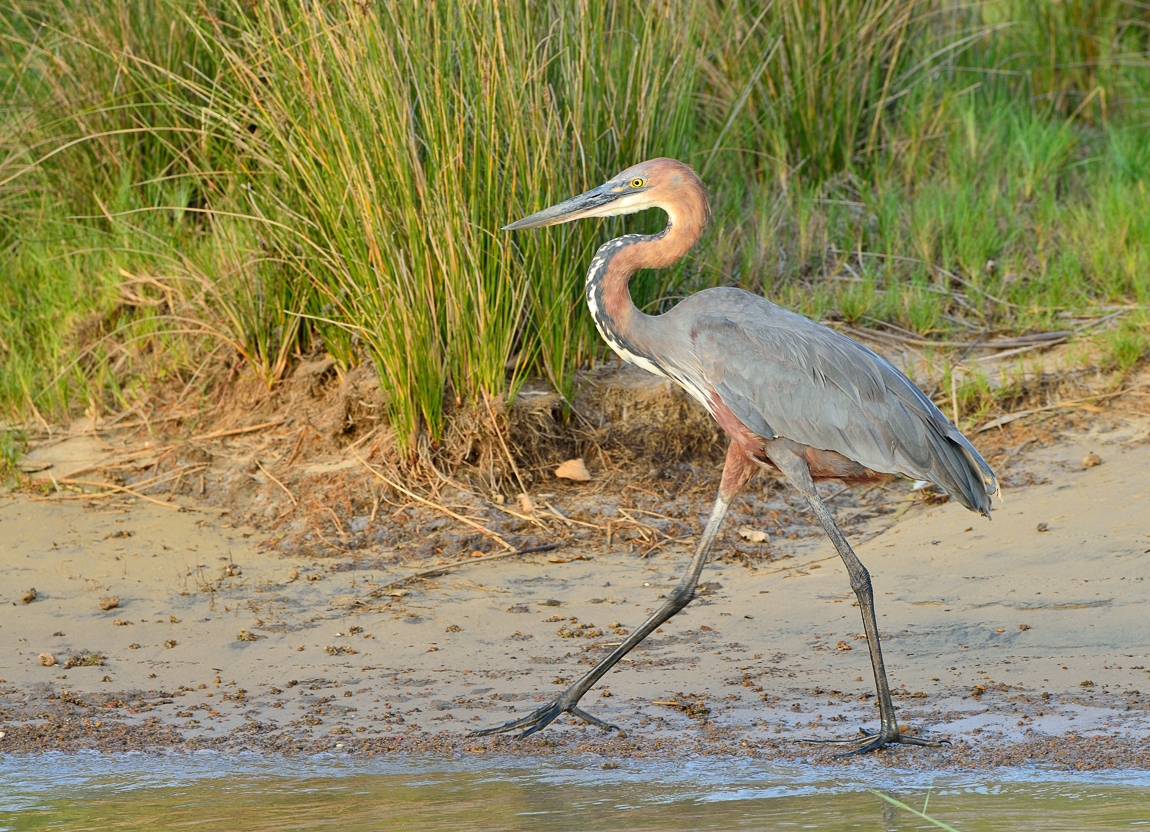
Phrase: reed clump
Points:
(187, 185)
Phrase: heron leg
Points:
(797, 472)
(736, 471)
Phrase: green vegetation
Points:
(922, 814)
(11, 447)
(187, 186)
(1127, 344)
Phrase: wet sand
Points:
(1021, 640)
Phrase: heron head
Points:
(663, 183)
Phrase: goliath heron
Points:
(793, 396)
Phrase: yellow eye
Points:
(636, 183)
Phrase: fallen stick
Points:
(439, 570)
(1037, 339)
(117, 460)
(273, 478)
(517, 515)
(219, 434)
(477, 526)
(1007, 418)
(112, 487)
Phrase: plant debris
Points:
(86, 660)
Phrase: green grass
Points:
(188, 188)
(11, 448)
(1127, 344)
(918, 813)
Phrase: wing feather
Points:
(783, 375)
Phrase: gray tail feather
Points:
(970, 480)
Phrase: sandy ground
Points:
(1021, 640)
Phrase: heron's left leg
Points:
(736, 471)
(795, 469)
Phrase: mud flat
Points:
(1022, 640)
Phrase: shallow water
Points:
(209, 791)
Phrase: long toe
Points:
(540, 719)
(534, 721)
(594, 720)
(865, 742)
(514, 725)
(552, 711)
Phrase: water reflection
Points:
(207, 792)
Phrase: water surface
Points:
(251, 793)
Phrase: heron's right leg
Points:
(736, 471)
(795, 469)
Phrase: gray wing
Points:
(784, 375)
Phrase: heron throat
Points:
(632, 334)
(620, 323)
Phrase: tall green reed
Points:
(388, 146)
(818, 78)
(269, 177)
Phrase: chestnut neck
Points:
(625, 328)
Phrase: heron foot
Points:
(543, 717)
(867, 741)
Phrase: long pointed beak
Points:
(587, 204)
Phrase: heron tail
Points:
(976, 482)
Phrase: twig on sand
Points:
(220, 434)
(791, 567)
(124, 458)
(112, 487)
(431, 504)
(527, 518)
(1085, 400)
(558, 515)
(455, 564)
(273, 478)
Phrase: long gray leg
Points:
(736, 471)
(795, 469)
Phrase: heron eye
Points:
(636, 183)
